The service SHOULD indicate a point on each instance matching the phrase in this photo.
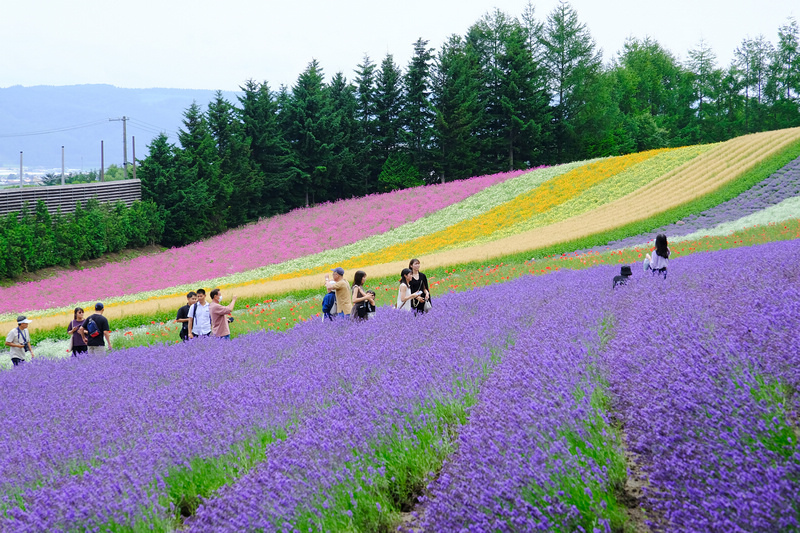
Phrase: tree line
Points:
(35, 239)
(513, 92)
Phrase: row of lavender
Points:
(702, 371)
(780, 186)
(696, 367)
(93, 443)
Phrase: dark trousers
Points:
(17, 361)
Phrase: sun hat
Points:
(22, 319)
(625, 271)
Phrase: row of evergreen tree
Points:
(513, 92)
(35, 239)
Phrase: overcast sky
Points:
(203, 44)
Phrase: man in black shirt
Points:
(183, 316)
(98, 334)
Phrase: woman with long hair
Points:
(419, 282)
(404, 293)
(659, 261)
(78, 344)
(361, 299)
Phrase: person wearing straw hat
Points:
(19, 341)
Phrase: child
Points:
(329, 305)
(370, 306)
(624, 274)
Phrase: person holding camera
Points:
(219, 315)
(19, 341)
(404, 293)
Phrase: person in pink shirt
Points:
(219, 315)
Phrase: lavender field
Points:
(527, 405)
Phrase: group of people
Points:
(342, 300)
(656, 264)
(203, 318)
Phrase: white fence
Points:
(66, 197)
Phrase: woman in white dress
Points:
(404, 293)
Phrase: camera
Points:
(230, 319)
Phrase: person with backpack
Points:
(97, 332)
(199, 316)
(19, 341)
(329, 305)
(344, 302)
(183, 316)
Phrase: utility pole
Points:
(62, 165)
(133, 145)
(124, 120)
(20, 169)
(102, 161)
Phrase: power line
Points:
(55, 130)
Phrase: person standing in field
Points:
(19, 341)
(183, 316)
(219, 315)
(419, 282)
(97, 331)
(361, 299)
(404, 293)
(344, 302)
(74, 329)
(199, 316)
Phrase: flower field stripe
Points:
(278, 239)
(788, 209)
(781, 185)
(597, 222)
(550, 194)
(486, 198)
(608, 190)
(702, 175)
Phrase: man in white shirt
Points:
(19, 340)
(200, 317)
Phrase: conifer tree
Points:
(454, 93)
(573, 65)
(418, 114)
(269, 149)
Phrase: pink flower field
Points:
(296, 234)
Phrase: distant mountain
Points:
(77, 117)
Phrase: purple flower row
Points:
(126, 420)
(702, 367)
(516, 463)
(437, 357)
(780, 186)
(125, 430)
(695, 364)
